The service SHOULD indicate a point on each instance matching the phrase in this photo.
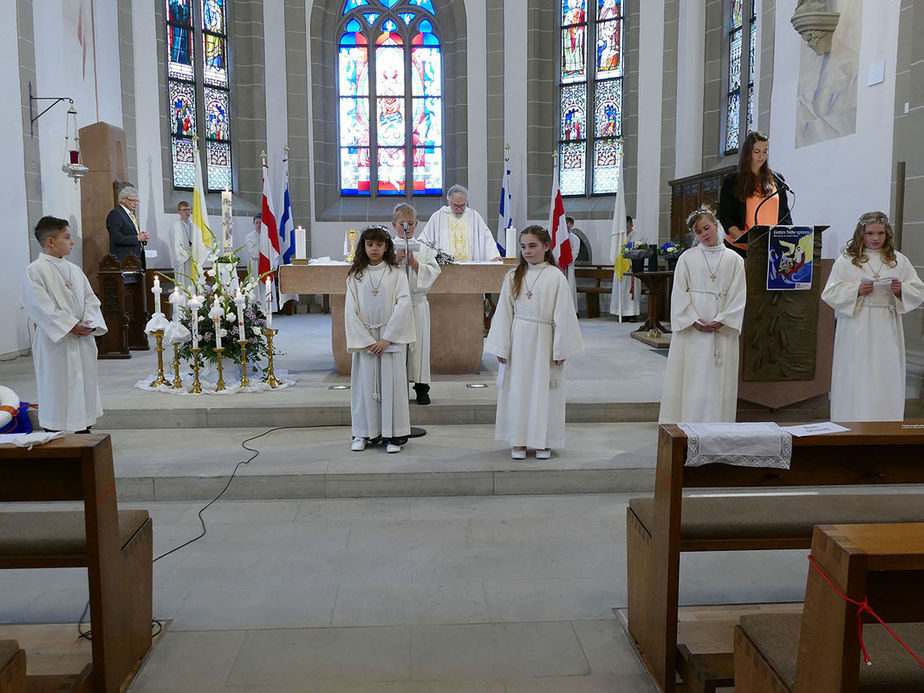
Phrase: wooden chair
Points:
(116, 547)
(820, 651)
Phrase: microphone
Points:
(404, 224)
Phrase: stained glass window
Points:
(738, 10)
(199, 99)
(590, 95)
(390, 131)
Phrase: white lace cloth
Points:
(741, 444)
(28, 440)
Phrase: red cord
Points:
(861, 608)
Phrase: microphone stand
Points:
(781, 187)
(415, 431)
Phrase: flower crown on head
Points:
(696, 213)
(872, 218)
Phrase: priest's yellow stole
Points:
(459, 240)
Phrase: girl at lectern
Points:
(753, 185)
(870, 287)
(533, 331)
(379, 325)
(707, 308)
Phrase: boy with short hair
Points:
(424, 271)
(67, 316)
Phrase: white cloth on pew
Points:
(27, 440)
(740, 444)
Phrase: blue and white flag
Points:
(505, 214)
(286, 225)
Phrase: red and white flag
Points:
(269, 234)
(558, 227)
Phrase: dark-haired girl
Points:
(533, 331)
(379, 325)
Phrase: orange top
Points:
(769, 214)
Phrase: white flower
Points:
(231, 317)
(223, 332)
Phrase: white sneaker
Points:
(358, 445)
(518, 454)
(391, 447)
(543, 454)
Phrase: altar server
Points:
(66, 316)
(533, 331)
(460, 230)
(707, 307)
(871, 286)
(424, 271)
(379, 325)
(629, 286)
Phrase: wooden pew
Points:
(598, 273)
(114, 546)
(12, 667)
(820, 652)
(658, 529)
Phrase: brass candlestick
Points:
(221, 380)
(177, 383)
(245, 381)
(196, 388)
(270, 378)
(160, 379)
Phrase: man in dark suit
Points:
(125, 235)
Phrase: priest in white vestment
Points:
(181, 240)
(871, 286)
(66, 317)
(707, 309)
(424, 270)
(378, 307)
(533, 334)
(460, 231)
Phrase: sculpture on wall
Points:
(815, 24)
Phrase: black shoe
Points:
(423, 393)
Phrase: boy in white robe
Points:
(629, 287)
(66, 316)
(533, 331)
(181, 237)
(707, 309)
(379, 325)
(871, 286)
(423, 272)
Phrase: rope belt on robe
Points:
(556, 370)
(716, 356)
(888, 307)
(376, 391)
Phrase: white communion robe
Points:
(421, 280)
(378, 306)
(464, 236)
(631, 290)
(530, 333)
(57, 296)
(868, 374)
(701, 378)
(181, 237)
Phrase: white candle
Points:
(216, 314)
(156, 290)
(225, 221)
(301, 244)
(194, 304)
(239, 302)
(269, 304)
(513, 243)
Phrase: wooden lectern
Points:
(787, 339)
(123, 296)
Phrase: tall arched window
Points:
(742, 19)
(389, 84)
(591, 75)
(197, 35)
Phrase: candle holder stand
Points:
(196, 387)
(245, 381)
(160, 379)
(221, 380)
(270, 378)
(177, 383)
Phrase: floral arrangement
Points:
(636, 250)
(669, 248)
(442, 257)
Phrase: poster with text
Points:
(789, 258)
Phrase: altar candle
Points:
(269, 304)
(225, 221)
(174, 302)
(216, 315)
(239, 302)
(301, 244)
(194, 304)
(156, 290)
(512, 242)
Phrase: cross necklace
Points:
(65, 274)
(529, 289)
(375, 288)
(712, 274)
(876, 272)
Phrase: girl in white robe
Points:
(707, 308)
(66, 316)
(379, 325)
(533, 331)
(423, 272)
(871, 286)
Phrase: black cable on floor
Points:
(87, 634)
